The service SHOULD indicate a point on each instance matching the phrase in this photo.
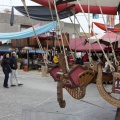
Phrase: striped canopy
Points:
(28, 32)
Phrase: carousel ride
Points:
(75, 78)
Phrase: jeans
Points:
(6, 72)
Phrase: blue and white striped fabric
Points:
(29, 32)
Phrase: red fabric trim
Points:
(93, 9)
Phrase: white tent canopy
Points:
(110, 36)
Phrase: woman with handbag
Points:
(6, 69)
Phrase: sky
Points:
(8, 3)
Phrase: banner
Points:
(110, 22)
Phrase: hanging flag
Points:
(110, 22)
(118, 8)
(12, 17)
(95, 16)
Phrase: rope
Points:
(89, 24)
(50, 10)
(90, 59)
(116, 62)
(61, 37)
(86, 36)
(56, 26)
(39, 44)
(59, 46)
(69, 46)
(111, 66)
(74, 34)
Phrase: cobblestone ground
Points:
(36, 100)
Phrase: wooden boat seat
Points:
(75, 81)
(94, 67)
(53, 72)
(66, 76)
(74, 73)
(79, 75)
(116, 81)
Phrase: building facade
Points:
(22, 23)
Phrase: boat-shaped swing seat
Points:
(53, 72)
(92, 66)
(79, 76)
(106, 77)
(116, 81)
(76, 81)
(73, 81)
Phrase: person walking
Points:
(14, 73)
(6, 69)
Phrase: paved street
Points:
(36, 100)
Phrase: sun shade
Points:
(42, 13)
(28, 32)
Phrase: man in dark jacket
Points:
(13, 65)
